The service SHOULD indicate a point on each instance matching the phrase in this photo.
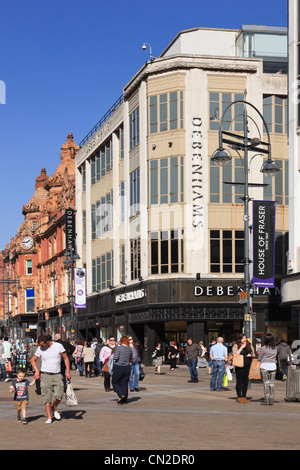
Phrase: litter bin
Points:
(293, 384)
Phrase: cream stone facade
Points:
(290, 284)
(153, 212)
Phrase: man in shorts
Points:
(51, 353)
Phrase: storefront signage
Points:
(231, 291)
(197, 173)
(264, 243)
(70, 231)
(128, 296)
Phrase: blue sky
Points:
(64, 63)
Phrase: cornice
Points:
(216, 64)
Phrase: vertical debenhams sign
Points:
(70, 230)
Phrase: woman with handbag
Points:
(158, 358)
(268, 359)
(244, 352)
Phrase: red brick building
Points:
(36, 253)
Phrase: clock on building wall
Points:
(27, 242)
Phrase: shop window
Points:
(167, 252)
(226, 251)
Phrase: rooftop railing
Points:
(102, 121)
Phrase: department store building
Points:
(159, 232)
(291, 282)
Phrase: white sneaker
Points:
(7, 380)
(56, 415)
(49, 421)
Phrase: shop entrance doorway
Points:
(227, 329)
(176, 331)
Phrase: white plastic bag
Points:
(229, 374)
(71, 399)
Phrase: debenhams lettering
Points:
(231, 291)
(127, 296)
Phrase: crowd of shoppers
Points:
(119, 363)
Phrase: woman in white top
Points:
(268, 358)
(88, 357)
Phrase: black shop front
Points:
(177, 309)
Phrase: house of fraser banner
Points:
(264, 243)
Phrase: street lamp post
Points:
(69, 262)
(8, 277)
(221, 157)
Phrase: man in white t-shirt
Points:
(51, 354)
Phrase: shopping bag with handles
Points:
(71, 399)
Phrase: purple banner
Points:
(264, 243)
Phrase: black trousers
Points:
(242, 379)
(107, 377)
(120, 380)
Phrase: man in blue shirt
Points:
(218, 355)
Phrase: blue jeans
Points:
(193, 371)
(135, 369)
(218, 371)
(3, 371)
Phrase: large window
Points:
(166, 112)
(166, 180)
(29, 300)
(121, 139)
(102, 215)
(135, 192)
(281, 248)
(102, 271)
(277, 188)
(134, 122)
(135, 258)
(122, 194)
(102, 162)
(167, 252)
(84, 227)
(226, 251)
(220, 192)
(123, 264)
(276, 113)
(233, 118)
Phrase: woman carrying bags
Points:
(268, 358)
(244, 349)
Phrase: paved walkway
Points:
(167, 414)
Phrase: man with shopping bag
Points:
(51, 354)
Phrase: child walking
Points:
(19, 387)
